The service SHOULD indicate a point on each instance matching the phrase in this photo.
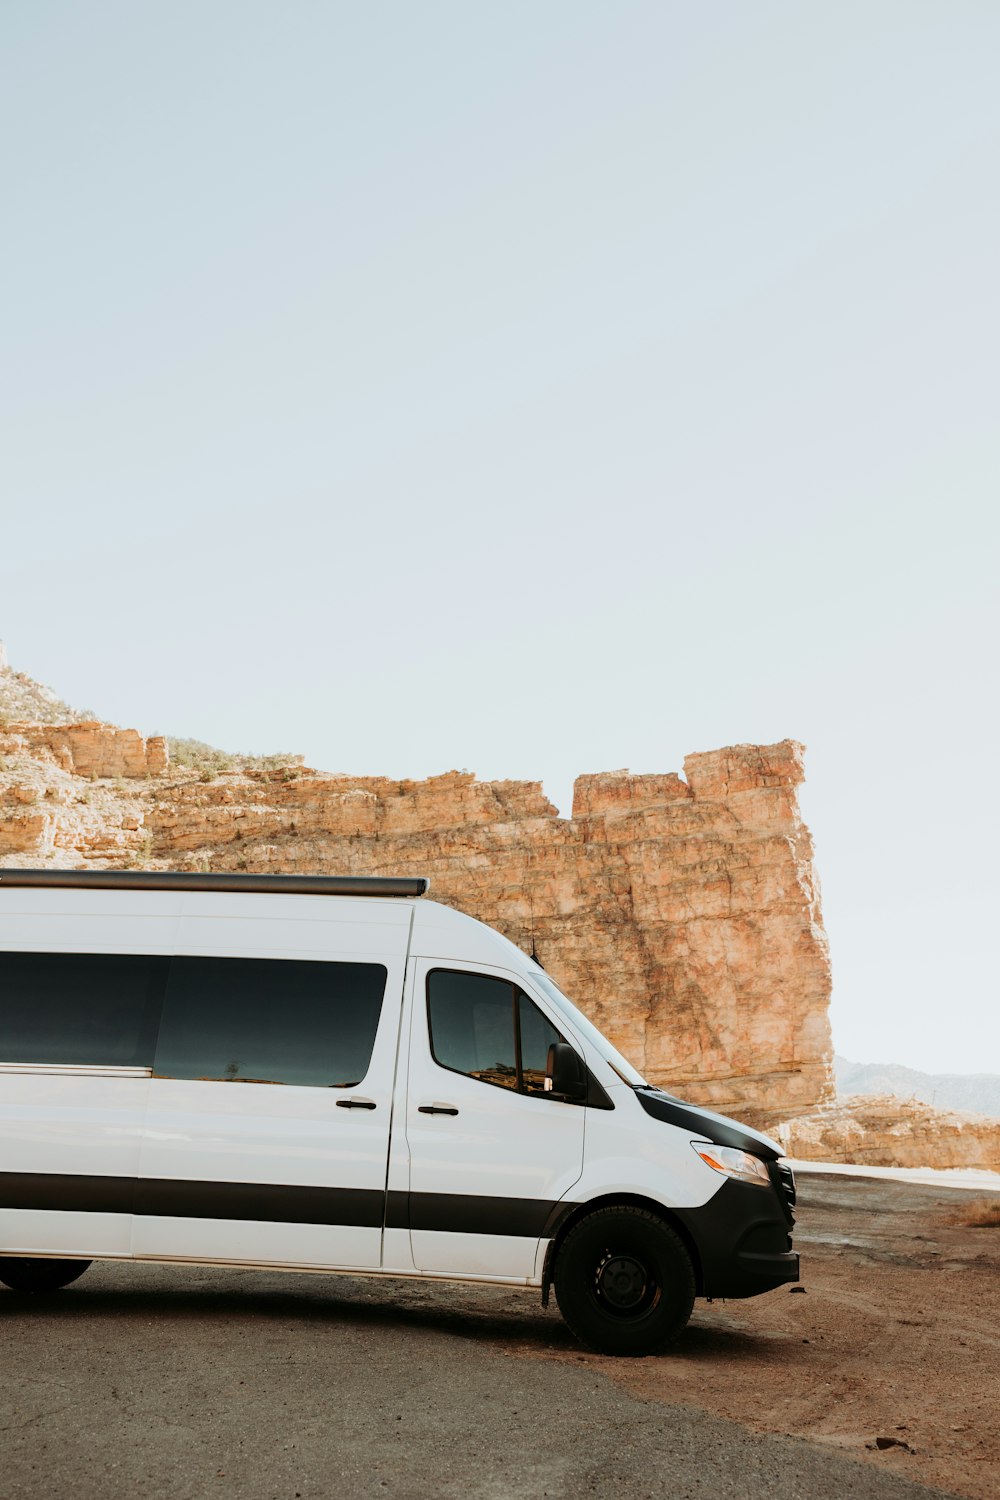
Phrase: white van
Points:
(330, 1074)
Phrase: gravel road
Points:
(153, 1381)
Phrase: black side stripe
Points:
(274, 1203)
(89, 1195)
(258, 1202)
(461, 1213)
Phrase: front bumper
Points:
(743, 1236)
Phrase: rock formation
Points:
(682, 914)
(893, 1132)
(91, 749)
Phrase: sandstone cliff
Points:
(682, 914)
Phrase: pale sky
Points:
(538, 389)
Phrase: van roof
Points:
(183, 880)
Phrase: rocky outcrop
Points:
(890, 1132)
(682, 914)
(89, 748)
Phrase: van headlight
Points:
(732, 1162)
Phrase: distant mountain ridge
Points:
(974, 1093)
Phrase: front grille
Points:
(784, 1180)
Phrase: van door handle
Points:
(436, 1109)
(355, 1103)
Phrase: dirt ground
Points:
(897, 1334)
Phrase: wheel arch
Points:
(572, 1214)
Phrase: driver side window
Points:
(470, 1018)
(537, 1035)
(488, 1029)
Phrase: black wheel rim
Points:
(625, 1286)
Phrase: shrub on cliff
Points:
(195, 755)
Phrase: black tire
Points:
(624, 1282)
(24, 1273)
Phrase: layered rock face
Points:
(891, 1132)
(682, 915)
(91, 749)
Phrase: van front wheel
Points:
(24, 1273)
(624, 1282)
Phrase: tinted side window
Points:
(537, 1035)
(270, 1020)
(478, 1023)
(471, 1021)
(87, 1009)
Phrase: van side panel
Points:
(276, 1173)
(214, 1170)
(69, 1135)
(488, 1164)
(68, 1161)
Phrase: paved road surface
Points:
(150, 1381)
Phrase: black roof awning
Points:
(183, 880)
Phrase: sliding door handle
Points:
(355, 1103)
(436, 1109)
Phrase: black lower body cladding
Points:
(743, 1238)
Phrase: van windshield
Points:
(611, 1055)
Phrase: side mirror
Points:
(565, 1073)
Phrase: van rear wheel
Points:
(25, 1273)
(624, 1282)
